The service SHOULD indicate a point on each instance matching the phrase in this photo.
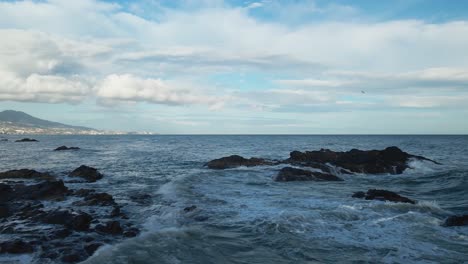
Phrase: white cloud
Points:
(131, 88)
(131, 58)
(42, 88)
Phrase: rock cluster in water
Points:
(331, 164)
(27, 140)
(57, 234)
(391, 160)
(294, 174)
(61, 148)
(383, 195)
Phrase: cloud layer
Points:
(218, 56)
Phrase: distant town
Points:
(16, 122)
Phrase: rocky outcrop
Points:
(26, 174)
(294, 174)
(383, 195)
(236, 161)
(27, 140)
(54, 233)
(16, 246)
(88, 173)
(47, 190)
(111, 227)
(456, 220)
(78, 221)
(96, 199)
(66, 148)
(391, 160)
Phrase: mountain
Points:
(21, 118)
(16, 122)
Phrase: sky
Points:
(239, 66)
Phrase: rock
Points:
(88, 173)
(457, 220)
(111, 227)
(4, 211)
(83, 192)
(360, 195)
(76, 221)
(115, 212)
(390, 160)
(3, 139)
(15, 247)
(190, 208)
(293, 174)
(66, 148)
(73, 257)
(26, 174)
(131, 232)
(144, 199)
(235, 161)
(59, 233)
(383, 195)
(92, 247)
(27, 140)
(42, 191)
(97, 199)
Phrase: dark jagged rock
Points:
(111, 227)
(60, 235)
(66, 148)
(27, 140)
(190, 208)
(457, 220)
(131, 232)
(88, 173)
(76, 221)
(293, 174)
(383, 195)
(4, 211)
(47, 190)
(26, 174)
(390, 160)
(97, 199)
(15, 247)
(236, 161)
(92, 247)
(74, 256)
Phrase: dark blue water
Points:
(243, 216)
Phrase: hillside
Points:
(16, 122)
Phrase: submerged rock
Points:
(17, 246)
(27, 140)
(88, 173)
(457, 220)
(111, 227)
(390, 160)
(383, 195)
(96, 199)
(26, 174)
(293, 174)
(143, 198)
(66, 148)
(42, 191)
(236, 161)
(76, 221)
(190, 208)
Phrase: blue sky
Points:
(248, 67)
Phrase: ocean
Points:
(243, 216)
